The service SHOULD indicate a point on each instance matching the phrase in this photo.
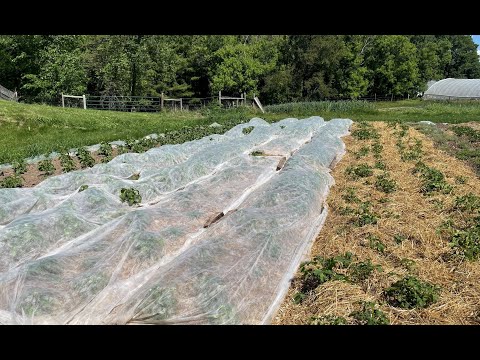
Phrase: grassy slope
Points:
(30, 130)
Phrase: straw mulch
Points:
(406, 212)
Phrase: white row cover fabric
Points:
(84, 257)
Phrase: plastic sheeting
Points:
(453, 88)
(84, 257)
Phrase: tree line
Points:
(280, 68)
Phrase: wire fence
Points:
(145, 103)
(159, 103)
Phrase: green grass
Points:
(314, 107)
(396, 111)
(29, 130)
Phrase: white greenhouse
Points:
(453, 89)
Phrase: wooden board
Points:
(259, 104)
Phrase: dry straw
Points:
(407, 213)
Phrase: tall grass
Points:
(321, 106)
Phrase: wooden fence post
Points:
(181, 104)
(220, 97)
(161, 102)
(63, 101)
(84, 102)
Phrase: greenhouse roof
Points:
(462, 88)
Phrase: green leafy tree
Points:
(392, 66)
(351, 77)
(61, 71)
(433, 56)
(464, 63)
(238, 66)
(19, 56)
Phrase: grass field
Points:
(31, 130)
(405, 110)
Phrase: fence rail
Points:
(147, 103)
(8, 94)
(158, 103)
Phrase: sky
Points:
(476, 40)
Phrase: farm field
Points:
(185, 233)
(399, 245)
(38, 130)
(402, 238)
